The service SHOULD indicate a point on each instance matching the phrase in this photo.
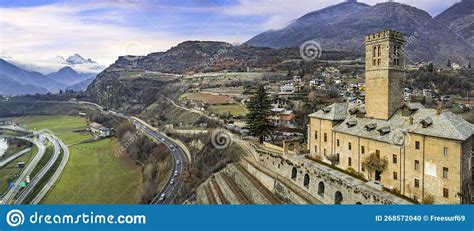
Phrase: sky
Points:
(37, 31)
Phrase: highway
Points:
(9, 196)
(13, 157)
(40, 175)
(179, 155)
(56, 174)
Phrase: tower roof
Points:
(386, 34)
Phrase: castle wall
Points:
(353, 191)
(320, 148)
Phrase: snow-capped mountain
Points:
(50, 65)
(76, 59)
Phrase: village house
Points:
(6, 122)
(287, 88)
(100, 130)
(282, 117)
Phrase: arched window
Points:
(358, 203)
(294, 173)
(306, 180)
(338, 198)
(321, 189)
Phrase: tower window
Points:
(417, 165)
(417, 183)
(376, 55)
(394, 159)
(395, 175)
(445, 193)
(396, 55)
(349, 146)
(445, 172)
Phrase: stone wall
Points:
(325, 184)
(275, 185)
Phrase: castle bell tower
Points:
(384, 72)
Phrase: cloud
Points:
(104, 30)
(279, 13)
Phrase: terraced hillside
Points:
(234, 185)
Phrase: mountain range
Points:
(50, 65)
(449, 36)
(17, 81)
(208, 56)
(340, 29)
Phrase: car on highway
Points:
(162, 197)
(175, 173)
(172, 181)
(178, 162)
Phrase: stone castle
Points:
(428, 152)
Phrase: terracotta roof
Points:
(95, 125)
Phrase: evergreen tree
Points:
(449, 62)
(469, 66)
(259, 107)
(430, 67)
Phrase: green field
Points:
(61, 126)
(232, 109)
(93, 174)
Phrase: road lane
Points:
(178, 154)
(27, 171)
(42, 173)
(56, 174)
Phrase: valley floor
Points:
(93, 174)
